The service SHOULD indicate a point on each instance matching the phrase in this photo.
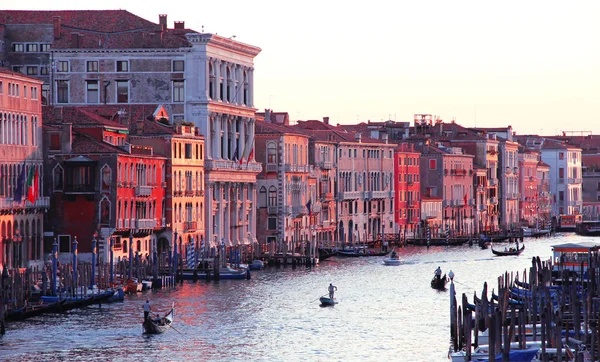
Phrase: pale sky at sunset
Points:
(532, 64)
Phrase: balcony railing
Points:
(446, 203)
(272, 167)
(126, 223)
(459, 202)
(494, 200)
(190, 226)
(326, 165)
(145, 223)
(296, 210)
(228, 165)
(272, 210)
(492, 182)
(326, 196)
(349, 195)
(379, 194)
(143, 191)
(295, 168)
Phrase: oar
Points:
(176, 330)
(312, 301)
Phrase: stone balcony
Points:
(230, 165)
(143, 191)
(9, 203)
(349, 195)
(189, 226)
(145, 223)
(272, 210)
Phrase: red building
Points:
(407, 189)
(101, 186)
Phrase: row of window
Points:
(92, 91)
(352, 153)
(188, 151)
(31, 47)
(18, 129)
(14, 90)
(12, 174)
(93, 66)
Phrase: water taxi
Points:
(573, 256)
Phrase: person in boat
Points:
(147, 309)
(394, 255)
(438, 273)
(332, 289)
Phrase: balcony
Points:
(145, 223)
(561, 180)
(493, 182)
(80, 189)
(120, 224)
(189, 226)
(189, 192)
(471, 202)
(163, 222)
(272, 167)
(230, 165)
(326, 196)
(378, 194)
(126, 223)
(326, 165)
(459, 202)
(481, 208)
(297, 210)
(272, 210)
(446, 203)
(494, 201)
(143, 191)
(575, 180)
(349, 195)
(295, 168)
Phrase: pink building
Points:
(407, 189)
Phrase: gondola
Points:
(325, 253)
(34, 310)
(509, 252)
(439, 283)
(159, 325)
(325, 301)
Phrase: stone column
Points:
(250, 87)
(226, 128)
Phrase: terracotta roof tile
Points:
(84, 144)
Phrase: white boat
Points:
(392, 259)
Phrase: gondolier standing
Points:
(147, 309)
(438, 272)
(332, 289)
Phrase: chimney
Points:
(74, 40)
(357, 136)
(139, 126)
(56, 27)
(180, 25)
(162, 20)
(326, 120)
(384, 137)
(268, 115)
(67, 138)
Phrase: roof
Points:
(265, 127)
(326, 132)
(78, 116)
(572, 247)
(101, 29)
(84, 144)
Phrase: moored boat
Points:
(34, 310)
(224, 273)
(325, 253)
(159, 325)
(588, 228)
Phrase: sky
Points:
(534, 65)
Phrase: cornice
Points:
(224, 43)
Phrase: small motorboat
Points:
(392, 259)
(256, 264)
(159, 325)
(326, 301)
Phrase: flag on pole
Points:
(251, 155)
(32, 185)
(465, 199)
(191, 253)
(20, 182)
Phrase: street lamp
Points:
(17, 239)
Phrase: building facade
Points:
(22, 204)
(407, 187)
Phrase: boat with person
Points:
(509, 251)
(326, 301)
(392, 259)
(160, 324)
(439, 283)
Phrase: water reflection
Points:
(384, 313)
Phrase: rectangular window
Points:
(92, 93)
(54, 142)
(44, 47)
(62, 66)
(17, 68)
(32, 70)
(45, 93)
(44, 70)
(122, 91)
(188, 150)
(561, 196)
(178, 91)
(561, 173)
(32, 48)
(561, 156)
(122, 66)
(92, 66)
(18, 47)
(272, 223)
(178, 66)
(62, 91)
(432, 164)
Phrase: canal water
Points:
(384, 313)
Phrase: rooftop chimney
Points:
(384, 137)
(67, 138)
(357, 136)
(56, 27)
(180, 25)
(162, 20)
(326, 120)
(74, 40)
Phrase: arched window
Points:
(106, 173)
(57, 178)
(262, 197)
(272, 196)
(105, 211)
(272, 153)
